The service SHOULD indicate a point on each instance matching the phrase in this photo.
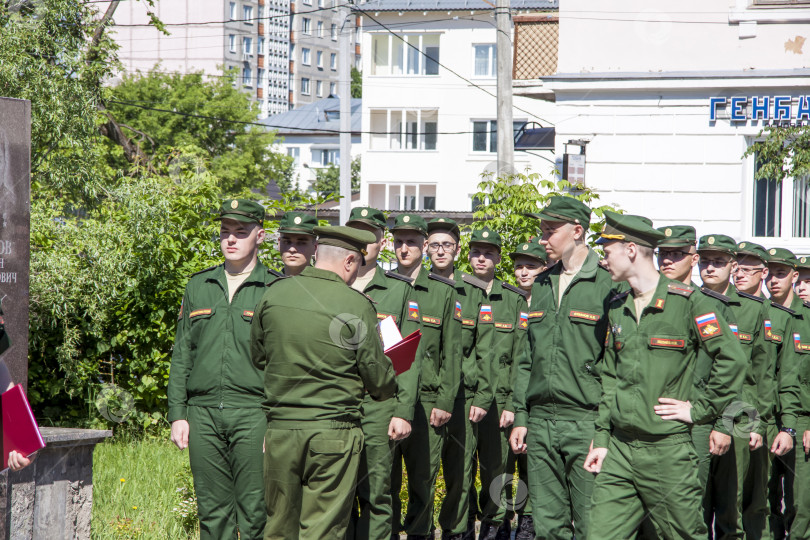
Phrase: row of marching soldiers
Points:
(629, 401)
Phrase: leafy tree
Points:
(357, 83)
(327, 179)
(785, 151)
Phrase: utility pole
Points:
(503, 45)
(344, 92)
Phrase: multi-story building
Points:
(251, 37)
(316, 28)
(429, 106)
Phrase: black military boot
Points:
(488, 531)
(525, 528)
(504, 531)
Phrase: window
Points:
(330, 156)
(400, 129)
(232, 43)
(247, 14)
(295, 153)
(306, 25)
(321, 3)
(319, 88)
(319, 27)
(781, 209)
(319, 58)
(247, 45)
(485, 134)
(305, 86)
(306, 57)
(260, 46)
(232, 14)
(332, 89)
(308, 2)
(484, 60)
(333, 61)
(333, 31)
(259, 77)
(418, 56)
(402, 196)
(247, 75)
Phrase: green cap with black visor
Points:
(629, 228)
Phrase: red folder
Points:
(403, 353)
(20, 430)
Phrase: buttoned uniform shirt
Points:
(656, 357)
(211, 364)
(315, 341)
(777, 334)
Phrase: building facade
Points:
(429, 106)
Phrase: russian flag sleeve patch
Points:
(708, 326)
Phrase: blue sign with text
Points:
(778, 108)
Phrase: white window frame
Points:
(491, 61)
(232, 14)
(332, 88)
(319, 88)
(232, 43)
(394, 42)
(305, 86)
(306, 56)
(319, 59)
(247, 14)
(333, 61)
(306, 26)
(319, 29)
(247, 75)
(401, 137)
(247, 46)
(334, 32)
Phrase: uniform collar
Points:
(659, 298)
(258, 273)
(378, 280)
(311, 271)
(733, 297)
(588, 269)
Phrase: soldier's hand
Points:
(477, 414)
(719, 443)
(180, 434)
(517, 440)
(674, 409)
(754, 441)
(438, 417)
(806, 441)
(398, 429)
(783, 443)
(507, 419)
(17, 461)
(593, 463)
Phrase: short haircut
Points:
(327, 253)
(644, 251)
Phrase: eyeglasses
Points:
(446, 246)
(674, 254)
(717, 263)
(748, 271)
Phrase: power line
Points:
(258, 19)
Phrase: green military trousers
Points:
(700, 440)
(421, 453)
(780, 489)
(725, 490)
(755, 491)
(493, 455)
(373, 492)
(457, 466)
(800, 528)
(556, 458)
(225, 451)
(310, 476)
(656, 478)
(522, 504)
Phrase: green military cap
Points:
(782, 256)
(444, 224)
(297, 223)
(568, 209)
(803, 263)
(750, 249)
(678, 236)
(717, 242)
(369, 216)
(486, 236)
(345, 237)
(241, 210)
(410, 222)
(629, 228)
(532, 249)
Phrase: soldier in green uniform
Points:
(502, 340)
(474, 389)
(677, 255)
(383, 422)
(296, 241)
(803, 282)
(748, 277)
(786, 305)
(741, 421)
(314, 387)
(529, 260)
(557, 388)
(642, 450)
(215, 392)
(439, 354)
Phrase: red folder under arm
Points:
(20, 430)
(403, 353)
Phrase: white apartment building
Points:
(429, 106)
(213, 36)
(669, 97)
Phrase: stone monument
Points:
(53, 497)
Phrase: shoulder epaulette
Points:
(518, 290)
(722, 297)
(444, 280)
(683, 290)
(783, 308)
(474, 281)
(620, 296)
(751, 296)
(395, 275)
(364, 295)
(275, 272)
(203, 271)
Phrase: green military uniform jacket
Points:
(475, 379)
(211, 364)
(656, 357)
(316, 341)
(503, 337)
(777, 334)
(391, 294)
(439, 349)
(558, 376)
(794, 373)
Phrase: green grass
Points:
(135, 485)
